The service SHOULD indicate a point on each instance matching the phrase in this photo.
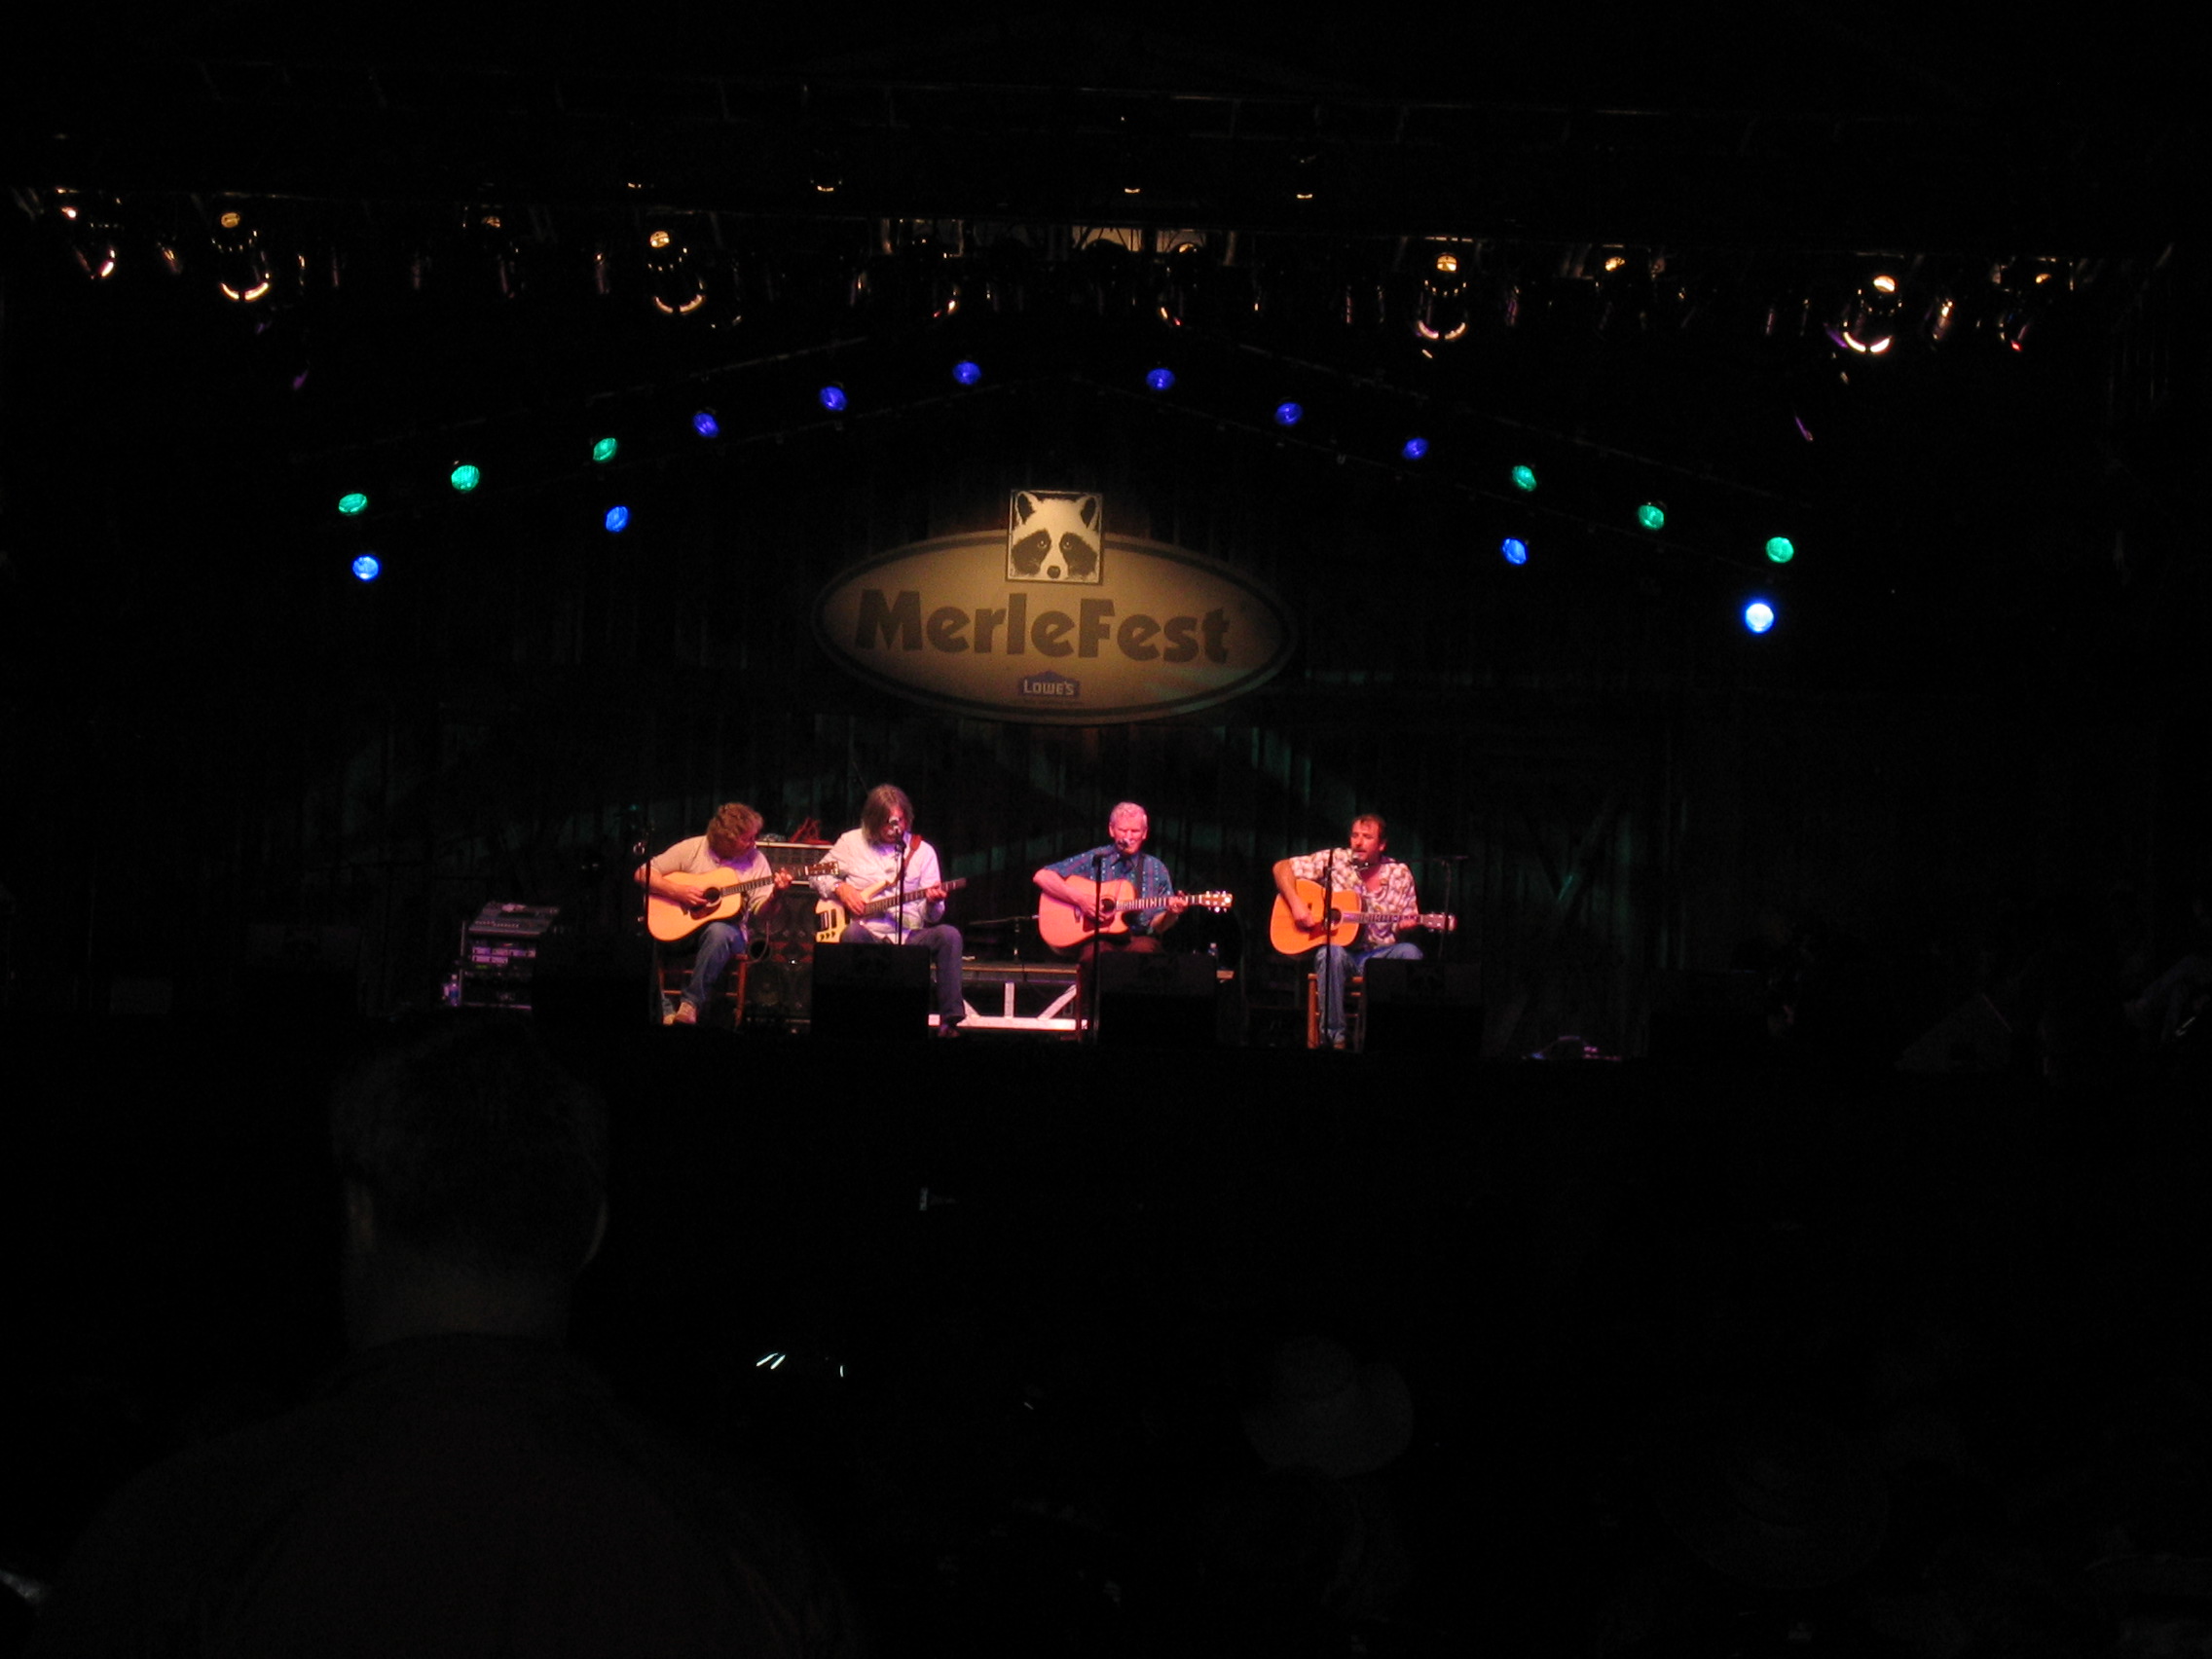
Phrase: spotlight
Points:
(241, 263)
(674, 281)
(1289, 414)
(1516, 550)
(89, 222)
(1412, 449)
(617, 520)
(1160, 380)
(366, 567)
(1758, 616)
(832, 398)
(606, 449)
(967, 373)
(1525, 479)
(1781, 549)
(705, 425)
(1441, 311)
(465, 477)
(353, 504)
(1652, 515)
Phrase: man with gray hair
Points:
(1087, 892)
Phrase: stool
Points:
(672, 977)
(1355, 989)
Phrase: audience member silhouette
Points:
(461, 1485)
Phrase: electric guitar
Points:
(1066, 926)
(1287, 937)
(834, 917)
(714, 898)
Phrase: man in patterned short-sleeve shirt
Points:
(1389, 901)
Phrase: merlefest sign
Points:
(1053, 621)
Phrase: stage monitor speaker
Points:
(1707, 1018)
(871, 992)
(1426, 1006)
(1157, 999)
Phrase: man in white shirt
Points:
(888, 880)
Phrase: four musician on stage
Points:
(883, 883)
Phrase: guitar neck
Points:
(891, 900)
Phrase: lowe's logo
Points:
(1050, 685)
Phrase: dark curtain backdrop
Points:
(1623, 780)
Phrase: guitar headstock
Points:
(1215, 901)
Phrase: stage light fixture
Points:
(1412, 449)
(89, 222)
(674, 281)
(617, 520)
(1515, 550)
(705, 426)
(1781, 549)
(967, 373)
(606, 449)
(832, 398)
(465, 477)
(1652, 515)
(353, 504)
(1525, 479)
(1160, 380)
(1758, 616)
(367, 568)
(1288, 414)
(242, 262)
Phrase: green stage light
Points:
(465, 477)
(1781, 549)
(1653, 516)
(353, 502)
(1525, 478)
(604, 451)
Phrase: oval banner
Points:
(1128, 630)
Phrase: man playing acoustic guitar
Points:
(1382, 889)
(1116, 874)
(727, 855)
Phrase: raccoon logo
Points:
(1054, 536)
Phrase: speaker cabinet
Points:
(873, 993)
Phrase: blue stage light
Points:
(617, 520)
(1289, 414)
(1160, 380)
(832, 398)
(967, 373)
(1758, 616)
(366, 567)
(1516, 550)
(705, 426)
(1412, 449)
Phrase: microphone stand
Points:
(1097, 922)
(1333, 961)
(899, 884)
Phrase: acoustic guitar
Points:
(1066, 926)
(716, 899)
(1287, 937)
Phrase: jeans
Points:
(1334, 969)
(720, 944)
